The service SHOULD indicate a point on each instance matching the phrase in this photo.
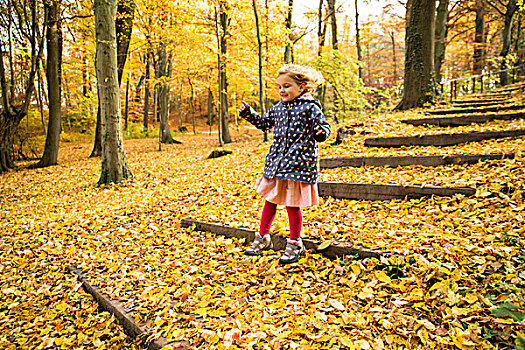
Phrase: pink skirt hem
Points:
(287, 192)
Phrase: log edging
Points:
(360, 191)
(441, 139)
(397, 161)
(476, 110)
(279, 242)
(463, 120)
(115, 308)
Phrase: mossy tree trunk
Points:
(419, 83)
(114, 166)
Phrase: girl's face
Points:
(288, 88)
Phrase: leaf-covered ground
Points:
(454, 277)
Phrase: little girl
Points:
(291, 166)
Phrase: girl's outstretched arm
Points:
(263, 122)
(321, 128)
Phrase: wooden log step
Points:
(464, 120)
(441, 139)
(279, 242)
(493, 100)
(126, 320)
(478, 104)
(360, 191)
(476, 110)
(396, 161)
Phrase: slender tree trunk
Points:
(224, 22)
(358, 42)
(480, 38)
(288, 48)
(419, 85)
(146, 91)
(192, 105)
(54, 84)
(333, 21)
(394, 56)
(210, 108)
(40, 101)
(440, 34)
(163, 94)
(321, 29)
(261, 82)
(138, 89)
(114, 166)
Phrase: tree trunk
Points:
(419, 85)
(123, 26)
(146, 91)
(12, 113)
(114, 166)
(210, 108)
(261, 82)
(54, 85)
(358, 43)
(511, 10)
(440, 35)
(480, 38)
(288, 48)
(192, 105)
(394, 57)
(321, 29)
(333, 21)
(225, 119)
(163, 94)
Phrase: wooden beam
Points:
(429, 161)
(360, 191)
(279, 242)
(476, 110)
(440, 139)
(464, 120)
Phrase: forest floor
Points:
(454, 277)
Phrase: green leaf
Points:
(508, 310)
(324, 245)
(520, 343)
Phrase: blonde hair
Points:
(308, 76)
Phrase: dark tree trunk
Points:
(479, 37)
(358, 43)
(440, 36)
(54, 85)
(419, 85)
(146, 90)
(288, 48)
(225, 119)
(123, 27)
(261, 83)
(210, 108)
(394, 57)
(333, 22)
(321, 29)
(511, 9)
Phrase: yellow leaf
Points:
(336, 304)
(382, 276)
(346, 342)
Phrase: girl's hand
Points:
(243, 106)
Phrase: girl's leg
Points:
(263, 240)
(295, 218)
(268, 214)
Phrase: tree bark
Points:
(163, 94)
(146, 91)
(288, 48)
(114, 166)
(123, 27)
(511, 9)
(54, 85)
(440, 35)
(261, 82)
(225, 119)
(13, 109)
(480, 37)
(419, 84)
(333, 21)
(358, 42)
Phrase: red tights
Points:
(295, 218)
